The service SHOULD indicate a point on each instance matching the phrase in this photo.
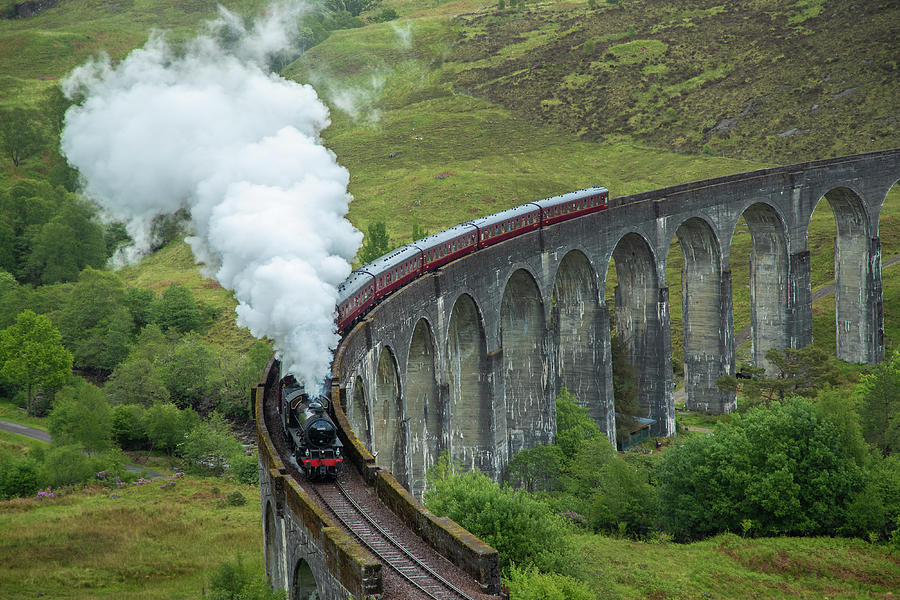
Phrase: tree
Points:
(139, 302)
(178, 310)
(188, 370)
(137, 381)
(7, 246)
(166, 426)
(786, 469)
(31, 352)
(209, 446)
(354, 7)
(94, 323)
(879, 406)
(624, 501)
(81, 415)
(128, 429)
(573, 424)
(20, 136)
(797, 373)
(418, 232)
(536, 469)
(69, 242)
(376, 242)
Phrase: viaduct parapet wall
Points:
(469, 359)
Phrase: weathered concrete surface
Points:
(492, 378)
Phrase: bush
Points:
(245, 469)
(523, 530)
(81, 415)
(386, 14)
(625, 502)
(166, 426)
(235, 581)
(19, 476)
(787, 469)
(209, 447)
(128, 429)
(530, 584)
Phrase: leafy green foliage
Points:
(375, 244)
(67, 243)
(51, 233)
(166, 426)
(177, 309)
(523, 530)
(81, 415)
(209, 446)
(624, 501)
(800, 372)
(20, 137)
(625, 390)
(537, 468)
(32, 354)
(19, 475)
(784, 468)
(237, 581)
(128, 428)
(187, 370)
(880, 405)
(94, 323)
(573, 424)
(354, 7)
(530, 584)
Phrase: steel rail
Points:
(406, 554)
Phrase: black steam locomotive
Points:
(310, 432)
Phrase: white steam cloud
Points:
(213, 131)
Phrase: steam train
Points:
(310, 432)
(368, 285)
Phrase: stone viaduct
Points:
(469, 358)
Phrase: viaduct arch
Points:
(478, 349)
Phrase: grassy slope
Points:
(146, 543)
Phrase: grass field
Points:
(728, 566)
(138, 542)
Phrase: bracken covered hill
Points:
(773, 80)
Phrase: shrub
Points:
(530, 584)
(81, 415)
(235, 581)
(523, 530)
(245, 469)
(19, 475)
(786, 468)
(128, 429)
(386, 14)
(209, 447)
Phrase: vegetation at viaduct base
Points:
(452, 111)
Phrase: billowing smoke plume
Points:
(209, 129)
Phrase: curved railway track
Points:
(391, 552)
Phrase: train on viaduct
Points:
(469, 358)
